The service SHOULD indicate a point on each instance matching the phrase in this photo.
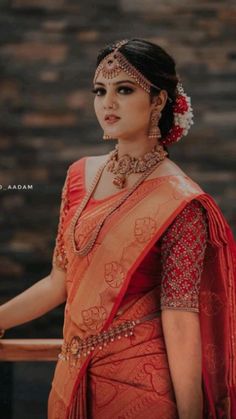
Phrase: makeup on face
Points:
(127, 86)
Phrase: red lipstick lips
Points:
(111, 118)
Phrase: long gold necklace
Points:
(83, 251)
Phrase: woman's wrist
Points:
(191, 408)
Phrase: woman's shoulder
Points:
(169, 168)
(81, 171)
(176, 177)
(191, 221)
(77, 164)
(92, 163)
(89, 161)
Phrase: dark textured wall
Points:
(48, 50)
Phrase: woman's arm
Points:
(50, 291)
(183, 343)
(183, 252)
(37, 300)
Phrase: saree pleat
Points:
(79, 406)
(133, 383)
(128, 379)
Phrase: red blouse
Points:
(174, 263)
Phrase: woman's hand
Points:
(183, 343)
(37, 300)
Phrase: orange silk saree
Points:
(130, 378)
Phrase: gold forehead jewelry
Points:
(115, 62)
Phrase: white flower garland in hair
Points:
(183, 117)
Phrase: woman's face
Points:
(122, 107)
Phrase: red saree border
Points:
(144, 253)
(221, 234)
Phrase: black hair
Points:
(157, 66)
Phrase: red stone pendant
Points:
(119, 181)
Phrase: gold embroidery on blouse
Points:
(183, 249)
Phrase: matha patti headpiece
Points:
(115, 62)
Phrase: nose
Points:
(109, 101)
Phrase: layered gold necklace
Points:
(145, 165)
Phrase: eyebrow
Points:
(117, 82)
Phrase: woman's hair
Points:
(157, 66)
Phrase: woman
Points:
(144, 260)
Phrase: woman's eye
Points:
(125, 90)
(100, 91)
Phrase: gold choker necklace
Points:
(122, 167)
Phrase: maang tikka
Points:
(112, 65)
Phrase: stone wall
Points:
(48, 50)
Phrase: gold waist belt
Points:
(82, 347)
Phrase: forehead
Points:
(120, 77)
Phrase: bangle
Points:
(2, 331)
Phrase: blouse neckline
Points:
(96, 200)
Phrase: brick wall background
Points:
(47, 58)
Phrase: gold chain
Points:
(78, 348)
(83, 251)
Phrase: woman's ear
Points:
(159, 101)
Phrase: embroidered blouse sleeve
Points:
(182, 253)
(59, 258)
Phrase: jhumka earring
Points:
(154, 130)
(107, 137)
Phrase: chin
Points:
(115, 133)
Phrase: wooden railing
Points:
(29, 349)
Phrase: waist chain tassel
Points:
(82, 347)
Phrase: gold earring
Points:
(107, 137)
(154, 130)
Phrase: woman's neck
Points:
(135, 149)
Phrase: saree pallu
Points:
(121, 245)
